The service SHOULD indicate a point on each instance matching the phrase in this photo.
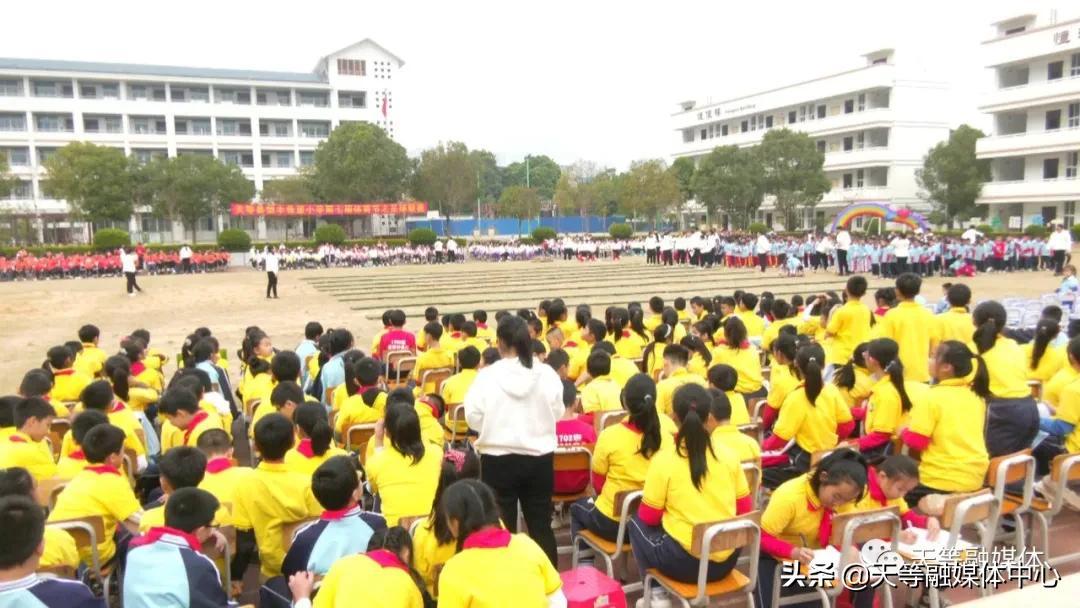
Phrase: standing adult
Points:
(438, 247)
(129, 261)
(902, 250)
(451, 250)
(185, 258)
(843, 242)
(652, 249)
(1060, 243)
(271, 262)
(515, 404)
(762, 249)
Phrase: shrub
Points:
(234, 239)
(872, 227)
(758, 228)
(621, 231)
(986, 229)
(332, 234)
(543, 233)
(422, 236)
(111, 238)
(1035, 230)
(1075, 230)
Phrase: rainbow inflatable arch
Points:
(885, 212)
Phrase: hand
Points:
(802, 554)
(236, 588)
(301, 585)
(219, 540)
(907, 537)
(933, 527)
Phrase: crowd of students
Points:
(467, 422)
(25, 266)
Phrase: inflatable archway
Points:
(884, 212)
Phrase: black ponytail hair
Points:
(963, 361)
(1073, 350)
(887, 352)
(808, 365)
(450, 473)
(513, 333)
(1045, 332)
(348, 362)
(844, 377)
(694, 344)
(843, 465)
(618, 321)
(692, 405)
(734, 332)
(989, 318)
(661, 335)
(637, 323)
(470, 503)
(639, 399)
(311, 418)
(403, 428)
(118, 370)
(786, 345)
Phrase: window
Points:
(1055, 70)
(1053, 120)
(45, 154)
(22, 189)
(1070, 213)
(12, 122)
(768, 122)
(791, 117)
(1071, 159)
(821, 111)
(206, 224)
(1050, 168)
(352, 67)
(147, 125)
(849, 144)
(10, 87)
(862, 101)
(687, 136)
(860, 178)
(723, 130)
(314, 129)
(802, 113)
(110, 90)
(191, 94)
(147, 92)
(318, 99)
(16, 157)
(821, 146)
(352, 99)
(1015, 30)
(237, 96)
(88, 91)
(849, 106)
(233, 126)
(275, 97)
(242, 158)
(744, 126)
(53, 122)
(275, 128)
(103, 124)
(847, 181)
(1074, 70)
(1074, 115)
(703, 134)
(860, 140)
(280, 160)
(90, 125)
(307, 158)
(48, 88)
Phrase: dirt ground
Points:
(35, 315)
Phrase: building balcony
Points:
(1045, 92)
(1039, 41)
(851, 195)
(1030, 191)
(851, 159)
(1031, 142)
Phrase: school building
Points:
(1033, 64)
(874, 123)
(266, 122)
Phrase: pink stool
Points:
(587, 587)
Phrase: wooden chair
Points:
(289, 530)
(602, 420)
(577, 458)
(726, 535)
(57, 430)
(766, 371)
(1065, 468)
(434, 376)
(853, 529)
(640, 363)
(752, 430)
(225, 555)
(610, 552)
(402, 362)
(48, 489)
(131, 464)
(979, 509)
(250, 406)
(357, 437)
(455, 415)
(752, 470)
(1036, 389)
(88, 532)
(820, 454)
(1011, 469)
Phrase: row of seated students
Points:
(806, 413)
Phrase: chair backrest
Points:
(752, 431)
(868, 525)
(602, 420)
(1065, 467)
(57, 430)
(578, 458)
(87, 531)
(621, 498)
(435, 376)
(48, 489)
(978, 510)
(131, 464)
(1018, 467)
(288, 531)
(1036, 389)
(725, 541)
(640, 363)
(752, 470)
(819, 454)
(358, 436)
(753, 406)
(401, 360)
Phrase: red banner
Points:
(326, 209)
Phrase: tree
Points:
(359, 162)
(293, 189)
(7, 183)
(539, 172)
(683, 169)
(730, 179)
(190, 187)
(648, 189)
(792, 172)
(448, 178)
(94, 180)
(951, 176)
(491, 177)
(520, 202)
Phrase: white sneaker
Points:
(660, 599)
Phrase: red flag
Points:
(384, 105)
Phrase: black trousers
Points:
(271, 283)
(529, 480)
(132, 286)
(186, 264)
(1059, 260)
(763, 260)
(841, 262)
(1011, 425)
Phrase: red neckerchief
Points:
(881, 310)
(64, 372)
(487, 538)
(137, 368)
(874, 488)
(363, 389)
(217, 465)
(17, 439)
(434, 408)
(631, 426)
(825, 529)
(481, 325)
(455, 335)
(338, 514)
(570, 343)
(386, 559)
(195, 421)
(304, 447)
(119, 406)
(102, 469)
(626, 333)
(77, 455)
(154, 534)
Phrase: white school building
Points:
(266, 122)
(874, 123)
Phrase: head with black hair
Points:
(433, 332)
(696, 347)
(403, 429)
(285, 366)
(97, 395)
(656, 305)
(748, 301)
(809, 362)
(669, 317)
(781, 309)
(431, 314)
(513, 340)
(896, 475)
(954, 359)
(192, 510)
(89, 334)
(274, 437)
(846, 375)
(286, 397)
(180, 406)
(314, 428)
(257, 365)
(721, 407)
(885, 297)
(16, 481)
(33, 417)
(215, 443)
(313, 330)
(457, 321)
(181, 467)
(491, 356)
(582, 315)
(598, 364)
(839, 478)
(594, 331)
(558, 360)
(959, 295)
(22, 543)
(469, 506)
(855, 287)
(349, 362)
(908, 285)
(723, 377)
(692, 406)
(735, 335)
(36, 382)
(118, 371)
(882, 358)
(989, 318)
(104, 444)
(1046, 331)
(335, 484)
(83, 422)
(342, 340)
(675, 357)
(59, 358)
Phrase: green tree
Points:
(648, 189)
(190, 187)
(490, 175)
(539, 172)
(447, 177)
(605, 192)
(730, 179)
(520, 202)
(359, 162)
(684, 169)
(7, 183)
(951, 177)
(293, 189)
(94, 180)
(792, 172)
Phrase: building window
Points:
(821, 146)
(1050, 168)
(12, 122)
(862, 101)
(821, 111)
(1070, 213)
(10, 88)
(318, 99)
(147, 125)
(1074, 115)
(860, 178)
(1053, 120)
(723, 130)
(273, 97)
(45, 154)
(847, 181)
(703, 134)
(352, 67)
(352, 99)
(53, 122)
(687, 136)
(16, 157)
(237, 96)
(768, 122)
(146, 92)
(744, 126)
(791, 117)
(1070, 166)
(48, 88)
(233, 127)
(242, 158)
(1055, 70)
(849, 106)
(307, 158)
(849, 144)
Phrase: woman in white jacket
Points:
(514, 405)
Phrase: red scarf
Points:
(217, 465)
(487, 538)
(77, 455)
(137, 368)
(17, 439)
(102, 469)
(195, 421)
(64, 372)
(874, 488)
(155, 534)
(304, 447)
(631, 426)
(386, 559)
(338, 514)
(481, 325)
(626, 333)
(825, 529)
(119, 406)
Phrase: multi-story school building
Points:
(874, 123)
(1034, 104)
(268, 123)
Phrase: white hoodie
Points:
(515, 408)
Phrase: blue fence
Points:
(508, 226)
